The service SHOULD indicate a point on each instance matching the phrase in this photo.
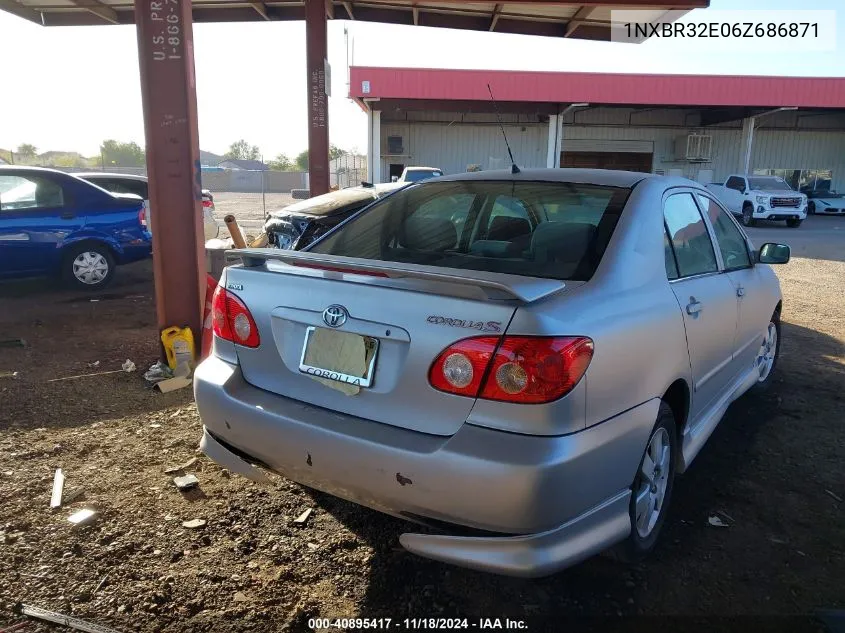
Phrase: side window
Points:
(735, 182)
(29, 192)
(689, 237)
(731, 242)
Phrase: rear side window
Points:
(29, 192)
(688, 234)
(735, 182)
(538, 229)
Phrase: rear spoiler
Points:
(494, 285)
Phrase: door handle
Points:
(693, 307)
(740, 291)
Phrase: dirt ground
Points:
(248, 208)
(774, 469)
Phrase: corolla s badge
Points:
(335, 315)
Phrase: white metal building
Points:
(701, 127)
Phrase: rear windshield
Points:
(538, 229)
(415, 175)
(769, 184)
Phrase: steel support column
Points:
(747, 143)
(168, 90)
(318, 112)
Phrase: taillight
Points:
(231, 320)
(520, 369)
(207, 203)
(142, 217)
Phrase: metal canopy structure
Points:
(582, 20)
(166, 58)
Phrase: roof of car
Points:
(417, 167)
(606, 177)
(95, 174)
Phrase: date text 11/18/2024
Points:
(416, 624)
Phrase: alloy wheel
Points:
(652, 482)
(766, 354)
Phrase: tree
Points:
(281, 163)
(302, 161)
(241, 150)
(121, 154)
(336, 152)
(27, 150)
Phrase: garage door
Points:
(628, 161)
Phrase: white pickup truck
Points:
(416, 174)
(761, 198)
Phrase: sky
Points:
(69, 88)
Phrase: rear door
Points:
(36, 215)
(753, 304)
(707, 299)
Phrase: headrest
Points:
(507, 228)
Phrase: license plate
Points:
(342, 357)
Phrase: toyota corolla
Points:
(522, 362)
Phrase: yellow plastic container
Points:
(179, 347)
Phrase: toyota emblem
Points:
(335, 315)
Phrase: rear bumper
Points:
(565, 497)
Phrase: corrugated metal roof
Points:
(554, 18)
(596, 88)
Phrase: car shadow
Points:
(693, 572)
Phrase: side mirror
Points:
(771, 253)
(394, 179)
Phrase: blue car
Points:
(52, 223)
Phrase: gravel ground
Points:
(774, 468)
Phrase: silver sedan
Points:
(521, 361)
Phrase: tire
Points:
(645, 530)
(794, 224)
(767, 355)
(88, 266)
(811, 208)
(748, 216)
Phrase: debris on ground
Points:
(185, 466)
(715, 521)
(58, 489)
(66, 620)
(157, 372)
(240, 596)
(82, 517)
(98, 373)
(8, 374)
(834, 495)
(13, 342)
(194, 524)
(303, 518)
(187, 482)
(172, 384)
(128, 366)
(96, 363)
(100, 584)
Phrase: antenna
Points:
(514, 168)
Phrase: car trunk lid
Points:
(413, 312)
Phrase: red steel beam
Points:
(168, 91)
(318, 112)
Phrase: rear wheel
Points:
(88, 266)
(811, 207)
(748, 215)
(794, 224)
(652, 488)
(767, 354)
